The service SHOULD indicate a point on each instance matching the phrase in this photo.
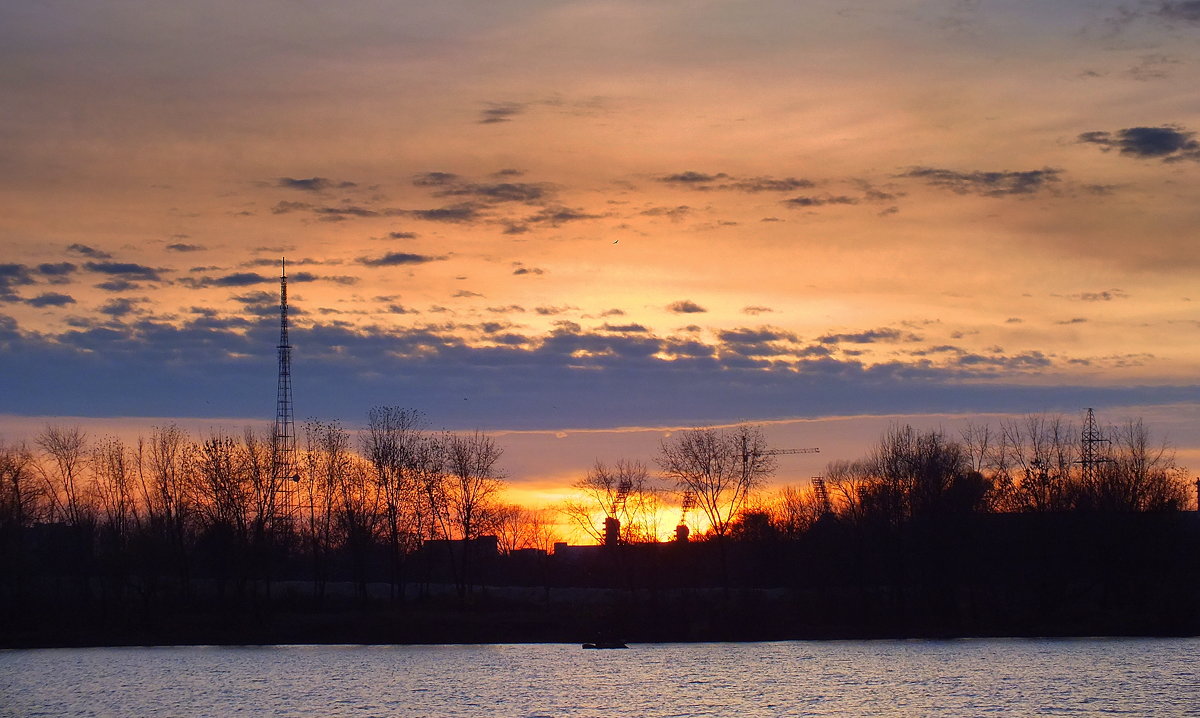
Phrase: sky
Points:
(596, 217)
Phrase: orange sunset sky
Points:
(552, 217)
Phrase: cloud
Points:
(987, 184)
(768, 184)
(434, 179)
(181, 247)
(50, 299)
(500, 112)
(401, 235)
(723, 181)
(554, 216)
(453, 214)
(117, 308)
(127, 270)
(522, 271)
(755, 311)
(1168, 143)
(247, 279)
(84, 250)
(283, 207)
(685, 306)
(1185, 10)
(624, 328)
(394, 259)
(57, 270)
(466, 294)
(1105, 296)
(804, 201)
(692, 178)
(219, 365)
(871, 336)
(13, 275)
(313, 184)
(498, 192)
(675, 214)
(118, 285)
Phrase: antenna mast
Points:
(283, 445)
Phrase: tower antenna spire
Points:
(283, 441)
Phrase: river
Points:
(977, 677)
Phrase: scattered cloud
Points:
(128, 270)
(57, 270)
(453, 214)
(755, 311)
(692, 178)
(1105, 296)
(624, 328)
(803, 201)
(1182, 10)
(181, 247)
(50, 299)
(1168, 143)
(465, 294)
(13, 275)
(497, 112)
(401, 235)
(284, 206)
(117, 308)
(118, 285)
(987, 184)
(871, 336)
(685, 306)
(313, 184)
(768, 184)
(676, 214)
(84, 250)
(395, 259)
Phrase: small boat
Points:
(605, 644)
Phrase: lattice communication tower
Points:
(1093, 450)
(283, 442)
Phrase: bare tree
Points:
(518, 527)
(794, 510)
(112, 467)
(23, 497)
(719, 467)
(66, 453)
(622, 492)
(1034, 470)
(325, 461)
(392, 444)
(1140, 475)
(463, 495)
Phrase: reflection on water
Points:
(1140, 677)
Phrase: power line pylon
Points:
(1092, 450)
(283, 442)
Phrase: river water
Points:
(984, 677)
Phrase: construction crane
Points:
(689, 501)
(689, 496)
(822, 495)
(612, 524)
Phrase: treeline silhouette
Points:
(396, 533)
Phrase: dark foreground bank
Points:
(991, 575)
